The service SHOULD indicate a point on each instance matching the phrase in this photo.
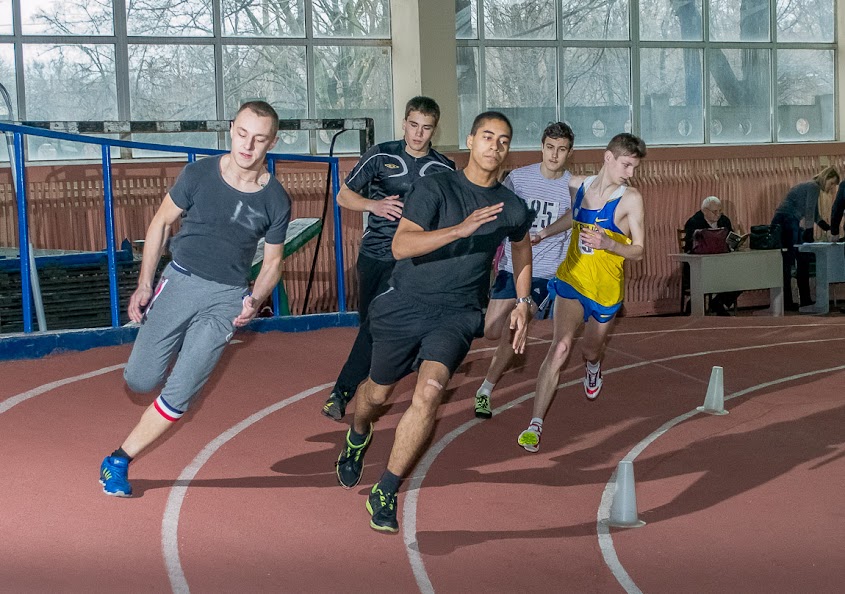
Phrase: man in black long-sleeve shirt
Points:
(709, 217)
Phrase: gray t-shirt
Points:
(221, 226)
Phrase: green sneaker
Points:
(382, 508)
(350, 463)
(530, 438)
(482, 406)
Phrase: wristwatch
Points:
(527, 300)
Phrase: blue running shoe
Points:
(114, 476)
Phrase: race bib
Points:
(582, 247)
(547, 213)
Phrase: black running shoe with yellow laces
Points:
(382, 508)
(482, 406)
(335, 406)
(350, 463)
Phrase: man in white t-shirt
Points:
(545, 188)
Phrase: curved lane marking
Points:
(22, 397)
(409, 509)
(170, 520)
(603, 515)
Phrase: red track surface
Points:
(748, 502)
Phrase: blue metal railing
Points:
(19, 131)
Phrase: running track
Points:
(243, 497)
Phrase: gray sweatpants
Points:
(190, 316)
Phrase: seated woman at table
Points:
(796, 215)
(709, 217)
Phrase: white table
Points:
(737, 271)
(830, 268)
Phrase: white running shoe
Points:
(592, 382)
(530, 438)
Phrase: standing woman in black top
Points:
(796, 215)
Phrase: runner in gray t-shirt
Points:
(545, 188)
(226, 205)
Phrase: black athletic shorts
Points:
(406, 333)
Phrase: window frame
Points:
(120, 40)
(634, 44)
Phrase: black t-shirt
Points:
(221, 226)
(458, 274)
(389, 171)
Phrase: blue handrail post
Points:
(271, 167)
(338, 238)
(111, 255)
(23, 234)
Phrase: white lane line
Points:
(24, 396)
(538, 340)
(409, 508)
(603, 515)
(170, 520)
(17, 399)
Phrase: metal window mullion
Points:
(17, 30)
(310, 58)
(773, 73)
(634, 63)
(217, 32)
(560, 109)
(482, 59)
(705, 69)
(121, 61)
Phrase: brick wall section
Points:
(65, 209)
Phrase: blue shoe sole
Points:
(115, 493)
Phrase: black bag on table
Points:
(765, 237)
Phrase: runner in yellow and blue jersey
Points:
(607, 229)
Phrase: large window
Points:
(197, 60)
(672, 71)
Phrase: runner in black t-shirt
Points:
(450, 228)
(378, 185)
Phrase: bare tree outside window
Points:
(263, 18)
(56, 17)
(272, 73)
(351, 18)
(172, 82)
(594, 42)
(519, 19)
(353, 81)
(6, 27)
(594, 19)
(187, 18)
(529, 106)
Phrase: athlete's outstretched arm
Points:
(412, 240)
(522, 271)
(564, 223)
(268, 278)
